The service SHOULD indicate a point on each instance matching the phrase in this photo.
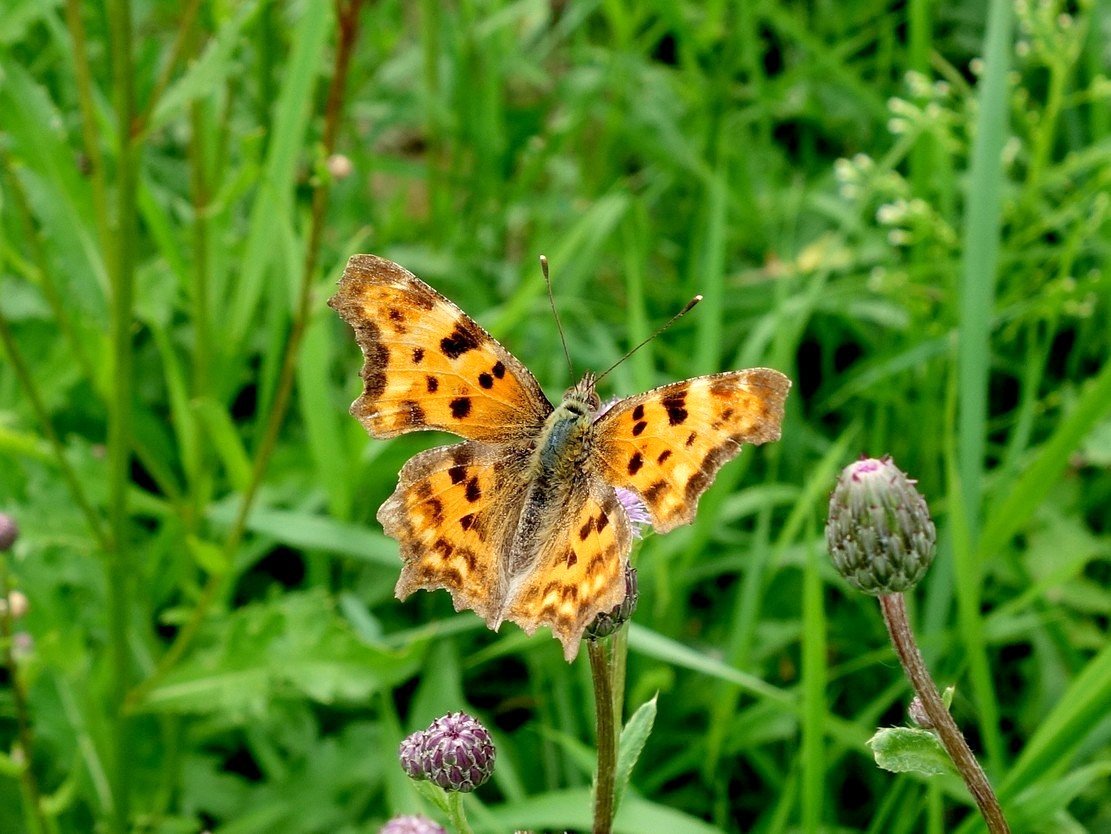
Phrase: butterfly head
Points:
(581, 399)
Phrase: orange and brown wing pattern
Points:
(452, 512)
(580, 571)
(428, 365)
(668, 444)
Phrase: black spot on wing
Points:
(639, 427)
(462, 339)
(498, 369)
(432, 384)
(664, 455)
(418, 355)
(460, 407)
(473, 490)
(635, 462)
(584, 531)
(676, 405)
(638, 412)
(467, 521)
(486, 381)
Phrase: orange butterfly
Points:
(522, 522)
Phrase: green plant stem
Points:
(347, 21)
(36, 817)
(456, 813)
(607, 737)
(898, 626)
(117, 563)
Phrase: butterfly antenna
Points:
(555, 312)
(690, 306)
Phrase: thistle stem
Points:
(895, 616)
(607, 737)
(457, 814)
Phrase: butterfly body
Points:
(522, 521)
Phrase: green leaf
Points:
(208, 555)
(221, 430)
(909, 750)
(293, 647)
(308, 531)
(631, 744)
(570, 809)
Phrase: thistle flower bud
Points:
(879, 531)
(411, 754)
(411, 825)
(9, 532)
(606, 623)
(458, 754)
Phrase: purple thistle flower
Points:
(411, 825)
(411, 754)
(634, 509)
(458, 754)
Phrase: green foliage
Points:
(634, 735)
(917, 236)
(909, 750)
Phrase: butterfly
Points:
(522, 521)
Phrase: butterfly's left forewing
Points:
(428, 365)
(668, 444)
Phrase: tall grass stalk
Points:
(974, 352)
(118, 560)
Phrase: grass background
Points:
(902, 206)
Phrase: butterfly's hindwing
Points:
(452, 513)
(580, 570)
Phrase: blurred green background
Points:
(903, 206)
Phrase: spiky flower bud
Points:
(458, 754)
(9, 532)
(606, 623)
(411, 754)
(879, 531)
(411, 825)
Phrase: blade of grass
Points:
(275, 190)
(982, 226)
